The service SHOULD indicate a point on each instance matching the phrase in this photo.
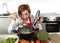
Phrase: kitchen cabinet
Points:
(4, 23)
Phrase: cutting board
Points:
(55, 38)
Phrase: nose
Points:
(24, 17)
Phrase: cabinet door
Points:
(4, 23)
(52, 27)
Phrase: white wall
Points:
(45, 6)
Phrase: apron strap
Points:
(30, 24)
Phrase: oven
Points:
(52, 24)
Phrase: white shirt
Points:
(14, 24)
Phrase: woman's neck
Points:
(26, 20)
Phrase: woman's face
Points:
(25, 15)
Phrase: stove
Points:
(52, 22)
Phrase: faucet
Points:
(4, 4)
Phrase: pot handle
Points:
(15, 31)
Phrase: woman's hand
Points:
(14, 15)
(40, 20)
(36, 32)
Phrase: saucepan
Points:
(25, 32)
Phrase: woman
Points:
(23, 17)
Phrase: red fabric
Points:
(30, 24)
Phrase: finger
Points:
(14, 15)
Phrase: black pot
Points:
(28, 36)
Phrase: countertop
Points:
(4, 36)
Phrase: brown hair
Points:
(23, 7)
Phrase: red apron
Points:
(30, 24)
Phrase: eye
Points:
(26, 14)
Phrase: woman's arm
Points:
(39, 26)
(14, 15)
(39, 23)
(13, 22)
(12, 26)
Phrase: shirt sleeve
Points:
(39, 26)
(12, 26)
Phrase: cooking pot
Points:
(25, 32)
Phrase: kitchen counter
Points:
(4, 36)
(15, 33)
(54, 37)
(55, 33)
